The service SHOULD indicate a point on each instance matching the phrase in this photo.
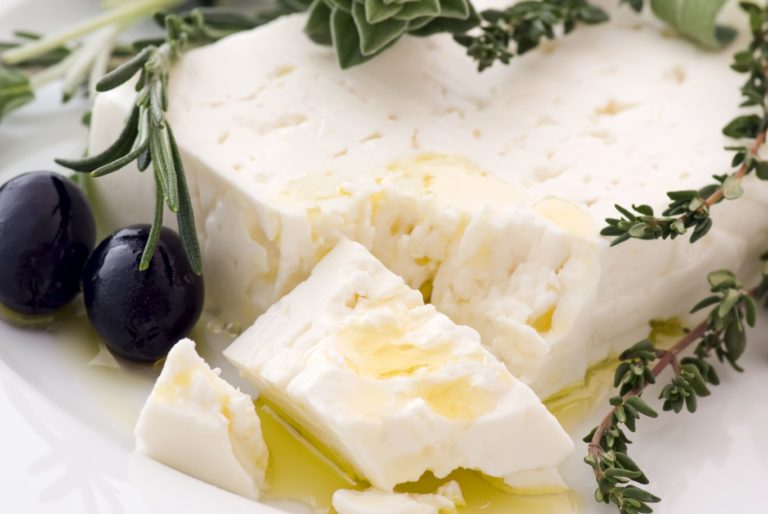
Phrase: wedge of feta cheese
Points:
(484, 191)
(199, 424)
(443, 501)
(389, 385)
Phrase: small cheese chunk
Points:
(389, 385)
(444, 501)
(196, 422)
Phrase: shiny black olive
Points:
(141, 314)
(47, 232)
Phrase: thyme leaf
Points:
(525, 24)
(15, 90)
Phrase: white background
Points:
(65, 435)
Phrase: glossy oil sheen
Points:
(141, 314)
(299, 470)
(47, 231)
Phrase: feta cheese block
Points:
(199, 424)
(485, 191)
(390, 386)
(444, 501)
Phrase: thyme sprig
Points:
(147, 137)
(525, 24)
(691, 209)
(722, 335)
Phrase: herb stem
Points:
(123, 15)
(52, 73)
(667, 358)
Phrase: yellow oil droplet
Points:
(298, 471)
(543, 323)
(426, 290)
(482, 497)
(567, 216)
(613, 107)
(457, 399)
(26, 321)
(666, 332)
(381, 351)
(573, 404)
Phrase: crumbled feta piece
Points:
(196, 422)
(392, 387)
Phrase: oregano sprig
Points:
(147, 137)
(691, 209)
(359, 30)
(721, 335)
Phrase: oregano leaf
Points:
(377, 10)
(318, 26)
(373, 38)
(696, 19)
(346, 39)
(459, 9)
(418, 9)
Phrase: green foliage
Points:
(147, 137)
(695, 19)
(721, 335)
(691, 209)
(15, 90)
(525, 24)
(361, 29)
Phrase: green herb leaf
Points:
(743, 127)
(157, 225)
(346, 39)
(124, 72)
(116, 150)
(458, 9)
(186, 216)
(376, 37)
(15, 90)
(377, 10)
(695, 19)
(318, 26)
(732, 188)
(419, 8)
(448, 23)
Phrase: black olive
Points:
(141, 314)
(47, 232)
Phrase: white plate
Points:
(66, 425)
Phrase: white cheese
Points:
(392, 387)
(444, 501)
(289, 154)
(196, 422)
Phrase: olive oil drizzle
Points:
(300, 468)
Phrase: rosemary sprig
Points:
(691, 209)
(722, 335)
(78, 55)
(147, 137)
